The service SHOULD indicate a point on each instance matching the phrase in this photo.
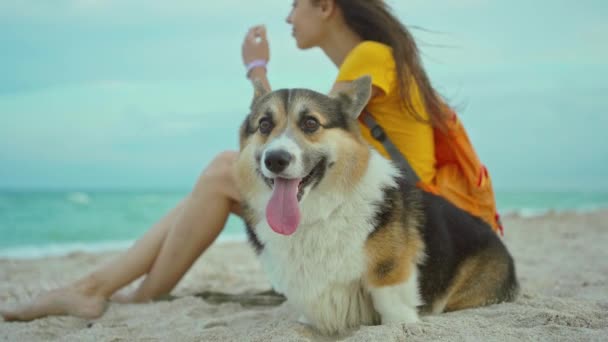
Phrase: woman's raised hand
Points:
(255, 47)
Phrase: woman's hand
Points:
(255, 46)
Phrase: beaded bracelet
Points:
(256, 64)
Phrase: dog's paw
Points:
(402, 315)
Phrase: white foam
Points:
(55, 249)
(540, 212)
(241, 237)
(79, 198)
(62, 249)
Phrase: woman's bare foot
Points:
(135, 297)
(63, 301)
(123, 297)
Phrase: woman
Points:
(360, 37)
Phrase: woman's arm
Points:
(256, 48)
(259, 74)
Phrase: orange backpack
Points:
(461, 177)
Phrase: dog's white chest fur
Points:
(303, 260)
(320, 267)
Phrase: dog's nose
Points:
(277, 161)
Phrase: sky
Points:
(98, 94)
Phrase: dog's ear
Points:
(354, 97)
(258, 91)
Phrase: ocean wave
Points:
(79, 198)
(62, 249)
(233, 237)
(540, 212)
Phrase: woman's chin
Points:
(303, 46)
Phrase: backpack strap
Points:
(378, 133)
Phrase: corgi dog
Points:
(341, 233)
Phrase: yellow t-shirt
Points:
(414, 138)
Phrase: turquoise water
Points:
(57, 222)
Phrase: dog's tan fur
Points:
(393, 254)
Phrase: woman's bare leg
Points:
(87, 296)
(205, 213)
(165, 252)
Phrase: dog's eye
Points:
(265, 126)
(310, 125)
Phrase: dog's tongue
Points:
(283, 211)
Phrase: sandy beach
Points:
(561, 258)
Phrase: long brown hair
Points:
(374, 20)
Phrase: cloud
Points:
(146, 84)
(141, 9)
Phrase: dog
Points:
(341, 233)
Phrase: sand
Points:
(561, 258)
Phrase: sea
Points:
(36, 224)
